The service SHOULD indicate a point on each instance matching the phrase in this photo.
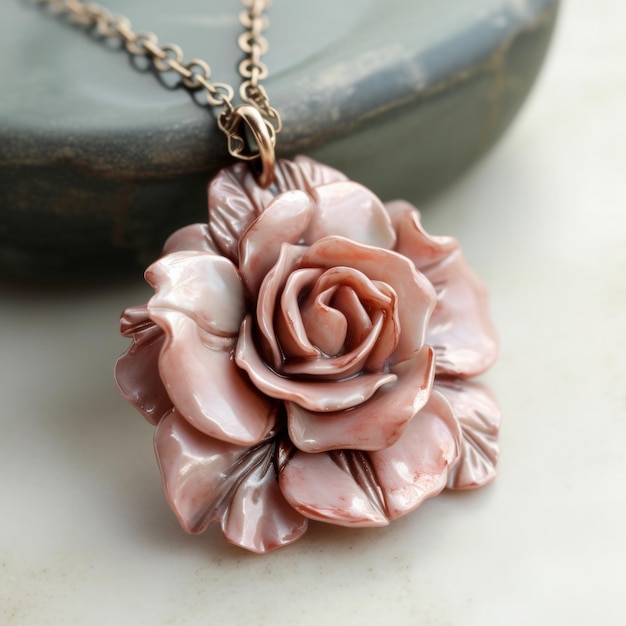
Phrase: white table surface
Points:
(87, 538)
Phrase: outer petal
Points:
(283, 221)
(311, 394)
(206, 386)
(137, 370)
(347, 209)
(479, 416)
(373, 425)
(193, 237)
(205, 287)
(208, 480)
(333, 487)
(197, 471)
(416, 467)
(235, 201)
(305, 174)
(416, 295)
(460, 329)
(258, 517)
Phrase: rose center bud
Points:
(335, 323)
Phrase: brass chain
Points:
(195, 74)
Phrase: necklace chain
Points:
(195, 74)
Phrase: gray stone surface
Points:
(99, 160)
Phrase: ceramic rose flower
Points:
(306, 355)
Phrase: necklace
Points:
(307, 353)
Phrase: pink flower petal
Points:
(416, 467)
(259, 518)
(206, 386)
(304, 173)
(205, 287)
(311, 394)
(314, 330)
(416, 296)
(374, 425)
(284, 221)
(325, 326)
(460, 329)
(335, 487)
(208, 480)
(198, 471)
(193, 237)
(235, 201)
(389, 337)
(288, 260)
(479, 416)
(137, 370)
(336, 368)
(347, 209)
(289, 332)
(347, 301)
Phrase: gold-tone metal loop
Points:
(248, 69)
(219, 94)
(172, 54)
(192, 82)
(137, 45)
(247, 41)
(251, 136)
(123, 28)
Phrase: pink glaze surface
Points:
(306, 356)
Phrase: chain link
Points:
(195, 74)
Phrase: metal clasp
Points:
(250, 136)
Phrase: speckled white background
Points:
(86, 536)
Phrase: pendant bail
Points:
(250, 136)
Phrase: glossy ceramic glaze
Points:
(305, 356)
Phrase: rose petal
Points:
(289, 329)
(460, 329)
(137, 370)
(304, 173)
(208, 480)
(193, 237)
(304, 334)
(235, 201)
(416, 467)
(205, 287)
(373, 425)
(206, 386)
(347, 209)
(259, 518)
(325, 326)
(333, 487)
(284, 221)
(347, 301)
(336, 368)
(416, 296)
(198, 471)
(288, 260)
(390, 332)
(313, 395)
(479, 416)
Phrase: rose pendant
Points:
(306, 355)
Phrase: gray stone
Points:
(100, 160)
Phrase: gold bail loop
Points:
(250, 136)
